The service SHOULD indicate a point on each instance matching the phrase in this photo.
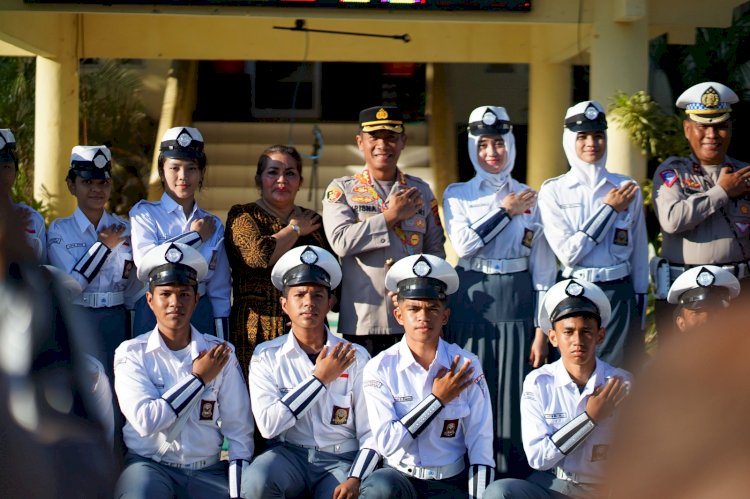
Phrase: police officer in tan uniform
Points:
(373, 219)
(702, 201)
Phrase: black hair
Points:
(265, 157)
(585, 315)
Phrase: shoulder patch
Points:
(333, 194)
(669, 177)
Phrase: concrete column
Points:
(619, 62)
(56, 118)
(180, 96)
(442, 138)
(549, 96)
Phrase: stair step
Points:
(278, 132)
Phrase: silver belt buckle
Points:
(430, 474)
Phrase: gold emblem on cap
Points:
(382, 114)
(710, 97)
(389, 261)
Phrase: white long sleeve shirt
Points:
(469, 203)
(550, 400)
(146, 374)
(154, 223)
(583, 232)
(280, 369)
(74, 247)
(394, 384)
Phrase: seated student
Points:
(427, 400)
(566, 406)
(306, 392)
(701, 293)
(181, 392)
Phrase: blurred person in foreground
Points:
(52, 443)
(257, 235)
(683, 432)
(567, 407)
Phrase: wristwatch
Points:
(295, 228)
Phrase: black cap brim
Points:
(573, 306)
(174, 274)
(307, 274)
(424, 288)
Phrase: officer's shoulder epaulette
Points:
(541, 375)
(144, 202)
(416, 180)
(133, 345)
(674, 162)
(552, 180)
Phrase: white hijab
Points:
(590, 174)
(477, 116)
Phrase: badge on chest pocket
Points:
(528, 238)
(126, 268)
(621, 237)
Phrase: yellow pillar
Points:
(56, 119)
(619, 62)
(442, 139)
(177, 108)
(549, 96)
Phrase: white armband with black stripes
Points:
(180, 395)
(418, 418)
(236, 467)
(574, 433)
(480, 476)
(301, 399)
(490, 225)
(597, 226)
(91, 262)
(364, 464)
(191, 238)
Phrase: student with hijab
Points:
(594, 222)
(505, 266)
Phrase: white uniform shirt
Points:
(394, 383)
(145, 368)
(35, 233)
(74, 248)
(466, 203)
(155, 223)
(566, 205)
(550, 400)
(278, 367)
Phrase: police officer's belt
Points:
(740, 270)
(492, 266)
(598, 274)
(429, 472)
(349, 445)
(198, 465)
(100, 300)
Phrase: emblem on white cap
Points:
(308, 256)
(422, 268)
(173, 254)
(100, 161)
(489, 118)
(591, 112)
(574, 289)
(184, 139)
(705, 278)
